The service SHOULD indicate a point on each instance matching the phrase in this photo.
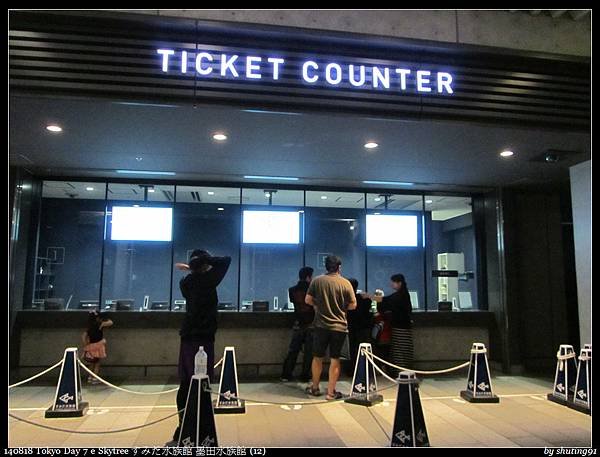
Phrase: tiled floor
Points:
(522, 418)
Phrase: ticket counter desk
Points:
(146, 344)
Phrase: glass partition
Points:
(395, 244)
(335, 224)
(69, 251)
(207, 218)
(451, 246)
(272, 247)
(138, 247)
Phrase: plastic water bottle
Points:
(200, 361)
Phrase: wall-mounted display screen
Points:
(139, 223)
(392, 230)
(271, 227)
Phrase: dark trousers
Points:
(300, 338)
(355, 337)
(187, 354)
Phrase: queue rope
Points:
(447, 370)
(385, 375)
(93, 432)
(37, 375)
(104, 381)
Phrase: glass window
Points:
(137, 247)
(270, 266)
(69, 251)
(451, 246)
(208, 218)
(394, 230)
(335, 225)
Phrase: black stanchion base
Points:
(367, 401)
(233, 409)
(51, 413)
(468, 395)
(569, 403)
(580, 408)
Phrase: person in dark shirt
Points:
(199, 288)
(400, 307)
(302, 332)
(360, 323)
(94, 343)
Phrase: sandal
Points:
(336, 396)
(314, 392)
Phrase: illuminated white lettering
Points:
(165, 58)
(422, 78)
(361, 79)
(276, 62)
(378, 77)
(228, 64)
(199, 69)
(329, 69)
(250, 67)
(444, 80)
(403, 72)
(183, 61)
(305, 76)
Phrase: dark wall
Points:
(539, 313)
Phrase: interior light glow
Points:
(219, 137)
(54, 128)
(390, 183)
(141, 172)
(506, 153)
(371, 145)
(280, 178)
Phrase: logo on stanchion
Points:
(582, 400)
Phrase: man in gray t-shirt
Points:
(331, 295)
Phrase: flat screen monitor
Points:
(392, 230)
(158, 305)
(271, 227)
(464, 300)
(141, 223)
(125, 305)
(414, 299)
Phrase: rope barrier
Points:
(447, 370)
(570, 355)
(36, 376)
(121, 388)
(92, 432)
(385, 375)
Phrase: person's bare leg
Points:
(334, 375)
(96, 368)
(317, 368)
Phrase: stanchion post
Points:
(565, 376)
(364, 381)
(228, 402)
(67, 399)
(409, 423)
(198, 424)
(479, 381)
(582, 399)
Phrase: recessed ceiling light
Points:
(54, 128)
(391, 183)
(136, 206)
(376, 214)
(220, 209)
(428, 201)
(89, 189)
(377, 199)
(140, 172)
(139, 159)
(506, 153)
(219, 137)
(371, 145)
(150, 190)
(323, 197)
(210, 192)
(267, 194)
